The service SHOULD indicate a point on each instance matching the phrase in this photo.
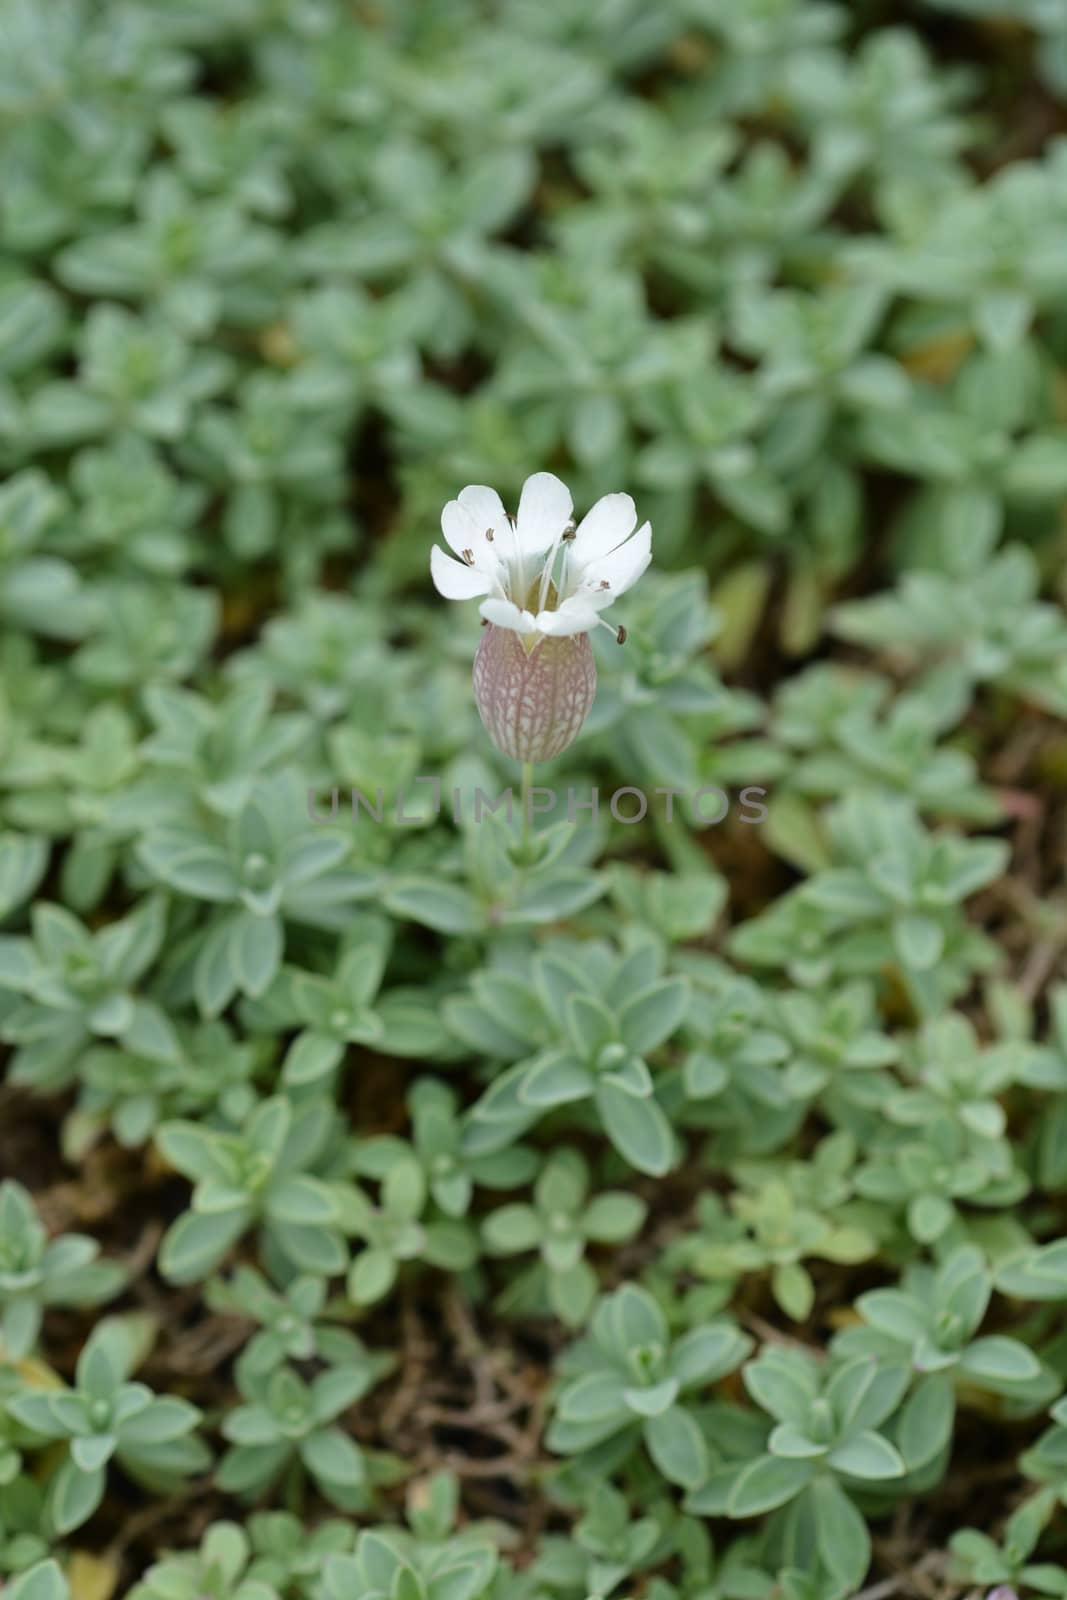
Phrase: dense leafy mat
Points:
(395, 1207)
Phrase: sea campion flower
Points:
(545, 583)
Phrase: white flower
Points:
(539, 573)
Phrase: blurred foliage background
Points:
(432, 1284)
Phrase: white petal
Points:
(545, 507)
(622, 568)
(454, 579)
(605, 526)
(573, 616)
(459, 528)
(506, 614)
(484, 505)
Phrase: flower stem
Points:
(527, 785)
(523, 856)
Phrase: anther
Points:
(569, 533)
(468, 556)
(621, 636)
(488, 535)
(604, 584)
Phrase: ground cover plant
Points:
(655, 1189)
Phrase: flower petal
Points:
(484, 505)
(603, 528)
(506, 614)
(574, 616)
(545, 508)
(454, 579)
(459, 527)
(621, 568)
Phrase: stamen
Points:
(568, 540)
(567, 532)
(621, 635)
(519, 564)
(604, 584)
(488, 535)
(468, 556)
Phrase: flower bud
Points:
(533, 691)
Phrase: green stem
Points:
(527, 785)
(523, 858)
